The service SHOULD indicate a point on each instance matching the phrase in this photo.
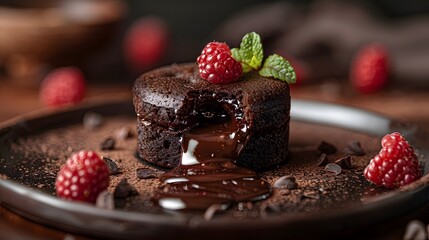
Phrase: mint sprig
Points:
(277, 67)
(250, 54)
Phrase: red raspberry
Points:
(217, 65)
(82, 177)
(146, 43)
(214, 46)
(63, 86)
(396, 164)
(369, 69)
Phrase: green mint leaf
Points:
(277, 67)
(250, 54)
(251, 48)
(236, 54)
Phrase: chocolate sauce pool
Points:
(207, 174)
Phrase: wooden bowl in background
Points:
(34, 38)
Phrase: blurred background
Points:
(114, 41)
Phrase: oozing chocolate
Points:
(207, 173)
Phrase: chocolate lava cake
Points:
(173, 99)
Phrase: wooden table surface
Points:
(402, 104)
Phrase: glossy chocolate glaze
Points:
(207, 173)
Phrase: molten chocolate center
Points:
(207, 173)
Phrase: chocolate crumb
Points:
(92, 120)
(113, 167)
(145, 173)
(311, 195)
(105, 200)
(323, 160)
(327, 148)
(334, 168)
(124, 133)
(124, 190)
(287, 181)
(354, 148)
(284, 192)
(324, 190)
(345, 162)
(108, 144)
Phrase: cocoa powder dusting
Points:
(39, 157)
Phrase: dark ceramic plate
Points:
(31, 195)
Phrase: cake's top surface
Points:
(167, 96)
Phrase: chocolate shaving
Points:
(113, 167)
(334, 168)
(327, 148)
(108, 144)
(145, 173)
(323, 160)
(124, 190)
(345, 162)
(354, 148)
(287, 181)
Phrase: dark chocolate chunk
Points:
(286, 182)
(124, 189)
(334, 168)
(108, 144)
(327, 148)
(145, 173)
(323, 160)
(354, 148)
(345, 162)
(113, 167)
